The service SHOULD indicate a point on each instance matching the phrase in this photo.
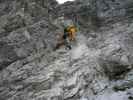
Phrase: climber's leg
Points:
(68, 44)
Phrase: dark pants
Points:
(67, 44)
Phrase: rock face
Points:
(23, 29)
(99, 66)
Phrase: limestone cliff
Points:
(99, 66)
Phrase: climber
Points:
(70, 31)
(68, 37)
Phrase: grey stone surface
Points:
(99, 66)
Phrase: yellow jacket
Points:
(72, 32)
